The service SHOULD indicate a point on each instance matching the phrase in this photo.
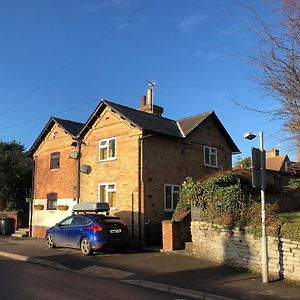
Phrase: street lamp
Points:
(264, 244)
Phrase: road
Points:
(22, 280)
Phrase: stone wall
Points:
(239, 249)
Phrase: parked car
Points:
(89, 230)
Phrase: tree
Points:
(243, 163)
(278, 63)
(15, 175)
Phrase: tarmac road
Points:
(22, 280)
(186, 276)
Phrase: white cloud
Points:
(190, 23)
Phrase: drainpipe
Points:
(31, 200)
(140, 180)
(139, 193)
(79, 143)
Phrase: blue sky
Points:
(194, 50)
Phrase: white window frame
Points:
(210, 154)
(107, 147)
(168, 209)
(107, 190)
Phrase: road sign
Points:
(258, 166)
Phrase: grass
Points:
(293, 217)
(291, 228)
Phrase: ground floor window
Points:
(51, 201)
(107, 193)
(172, 195)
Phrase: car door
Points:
(61, 231)
(76, 230)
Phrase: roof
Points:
(157, 124)
(189, 124)
(276, 163)
(72, 128)
(143, 120)
(137, 118)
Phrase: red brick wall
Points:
(62, 180)
(170, 161)
(123, 171)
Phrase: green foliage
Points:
(189, 195)
(223, 200)
(216, 196)
(245, 163)
(291, 226)
(15, 175)
(294, 184)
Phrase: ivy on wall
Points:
(225, 199)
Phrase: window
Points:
(55, 160)
(172, 195)
(51, 201)
(107, 193)
(107, 149)
(210, 157)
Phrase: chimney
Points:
(148, 106)
(272, 153)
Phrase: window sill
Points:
(210, 166)
(108, 159)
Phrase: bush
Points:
(224, 200)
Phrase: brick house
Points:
(134, 159)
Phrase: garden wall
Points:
(239, 249)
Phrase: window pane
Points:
(102, 193)
(213, 160)
(111, 186)
(168, 200)
(112, 148)
(54, 160)
(103, 143)
(176, 189)
(51, 203)
(112, 199)
(175, 200)
(206, 155)
(67, 221)
(103, 153)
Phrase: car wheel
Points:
(50, 242)
(86, 247)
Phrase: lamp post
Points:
(264, 243)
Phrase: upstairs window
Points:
(210, 157)
(107, 193)
(107, 149)
(172, 195)
(55, 160)
(52, 201)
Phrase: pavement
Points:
(183, 275)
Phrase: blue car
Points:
(88, 231)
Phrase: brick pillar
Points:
(167, 235)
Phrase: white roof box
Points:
(91, 207)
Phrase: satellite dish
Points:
(86, 169)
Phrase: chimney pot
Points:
(144, 100)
